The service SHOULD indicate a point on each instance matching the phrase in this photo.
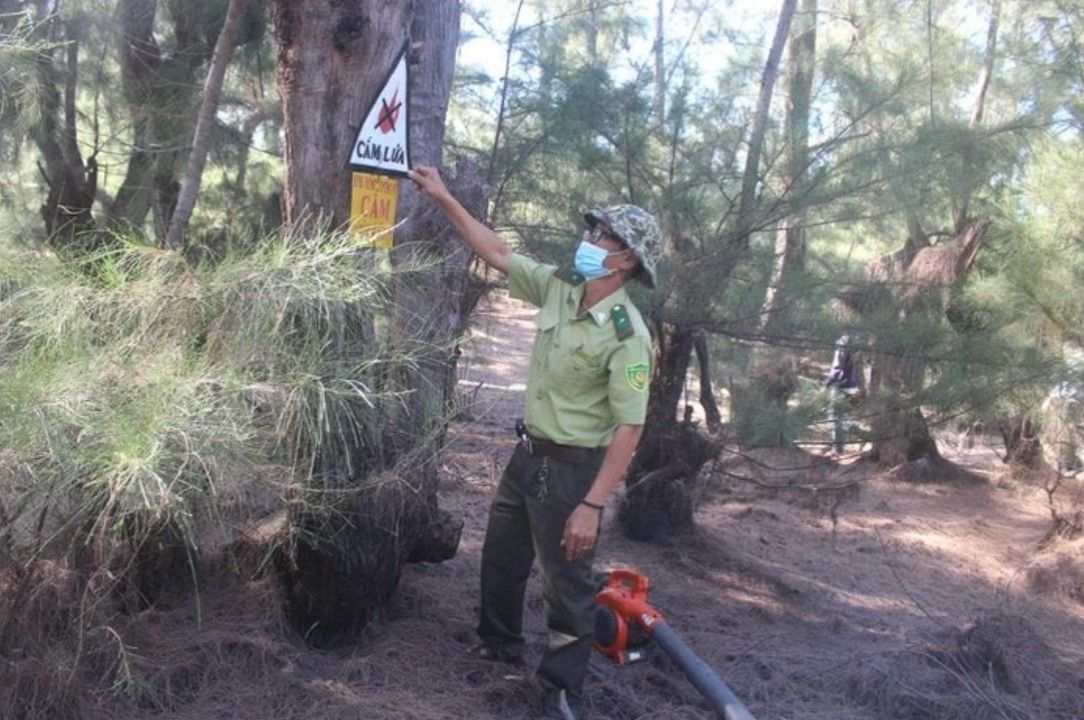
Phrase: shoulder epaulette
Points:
(569, 275)
(622, 324)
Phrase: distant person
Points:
(586, 401)
(843, 381)
(1063, 412)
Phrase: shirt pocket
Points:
(584, 368)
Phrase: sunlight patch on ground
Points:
(513, 387)
(883, 603)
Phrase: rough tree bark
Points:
(430, 301)
(332, 58)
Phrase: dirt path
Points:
(773, 593)
(833, 606)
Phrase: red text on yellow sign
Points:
(372, 208)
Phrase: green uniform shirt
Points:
(584, 379)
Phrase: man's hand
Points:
(429, 182)
(581, 532)
(581, 528)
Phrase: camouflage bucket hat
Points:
(636, 228)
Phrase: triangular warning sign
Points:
(382, 144)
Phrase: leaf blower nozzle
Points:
(624, 623)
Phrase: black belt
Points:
(564, 453)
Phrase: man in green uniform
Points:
(586, 401)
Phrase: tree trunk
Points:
(900, 432)
(509, 47)
(664, 440)
(773, 370)
(674, 350)
(917, 278)
(156, 112)
(707, 395)
(1023, 445)
(69, 223)
(332, 59)
(197, 157)
(961, 208)
(162, 88)
(430, 301)
(659, 51)
(751, 175)
(790, 238)
(658, 498)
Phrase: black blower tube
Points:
(700, 674)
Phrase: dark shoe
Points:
(556, 706)
(495, 654)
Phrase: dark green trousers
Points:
(526, 521)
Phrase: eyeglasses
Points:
(599, 231)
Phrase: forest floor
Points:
(881, 599)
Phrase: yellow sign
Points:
(372, 208)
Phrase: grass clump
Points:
(149, 408)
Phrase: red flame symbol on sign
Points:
(389, 113)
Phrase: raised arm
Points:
(483, 241)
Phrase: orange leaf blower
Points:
(624, 624)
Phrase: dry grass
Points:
(1059, 570)
(779, 641)
(894, 601)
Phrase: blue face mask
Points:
(588, 261)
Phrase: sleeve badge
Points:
(637, 376)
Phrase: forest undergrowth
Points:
(220, 455)
(148, 408)
(882, 599)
